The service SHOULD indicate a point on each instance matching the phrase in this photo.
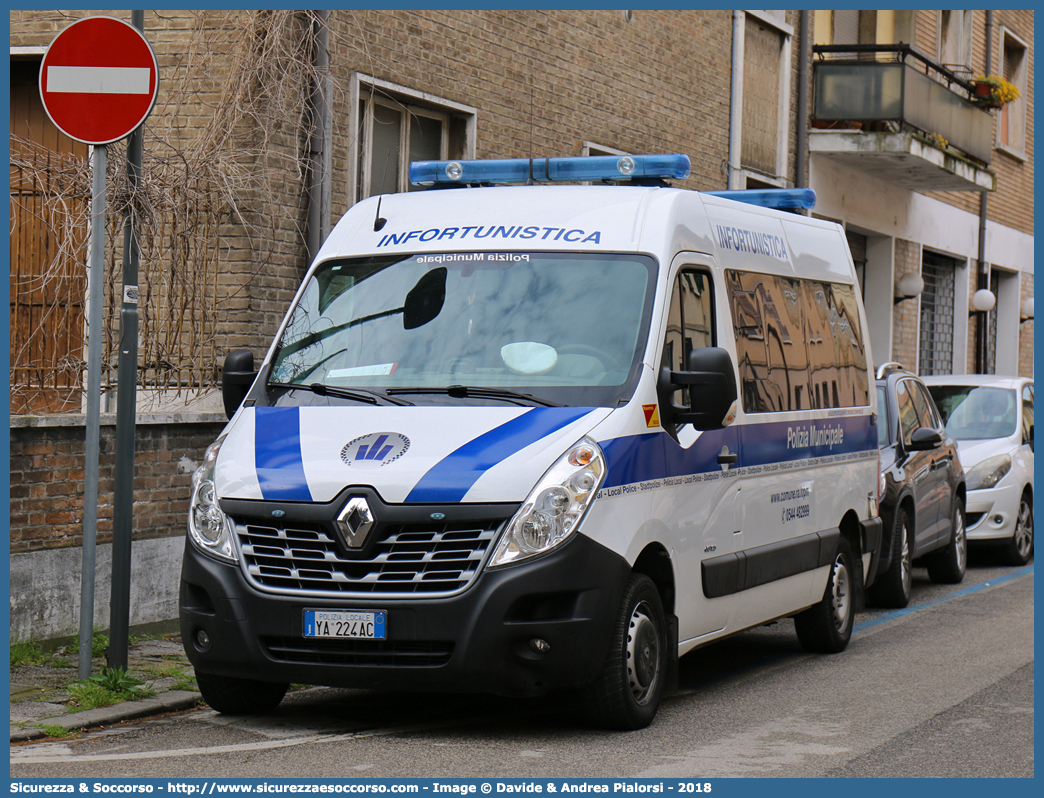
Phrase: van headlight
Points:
(988, 473)
(555, 507)
(209, 528)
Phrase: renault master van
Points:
(543, 437)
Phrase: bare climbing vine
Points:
(228, 134)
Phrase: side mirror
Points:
(237, 375)
(924, 438)
(711, 380)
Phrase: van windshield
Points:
(563, 328)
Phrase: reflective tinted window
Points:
(689, 321)
(798, 342)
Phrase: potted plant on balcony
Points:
(993, 91)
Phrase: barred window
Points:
(937, 313)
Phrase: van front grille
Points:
(409, 559)
(400, 653)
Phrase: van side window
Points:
(788, 354)
(689, 321)
(799, 345)
(747, 305)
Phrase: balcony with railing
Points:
(891, 111)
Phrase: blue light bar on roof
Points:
(779, 198)
(547, 170)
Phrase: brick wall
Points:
(973, 286)
(47, 478)
(546, 81)
(906, 315)
(1026, 331)
(1012, 203)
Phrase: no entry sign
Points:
(98, 80)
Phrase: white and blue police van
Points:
(541, 437)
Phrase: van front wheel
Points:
(827, 626)
(232, 696)
(627, 693)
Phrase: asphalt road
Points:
(941, 689)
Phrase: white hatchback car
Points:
(992, 420)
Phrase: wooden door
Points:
(50, 201)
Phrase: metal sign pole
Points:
(90, 461)
(94, 99)
(126, 412)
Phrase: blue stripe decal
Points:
(656, 455)
(452, 477)
(277, 454)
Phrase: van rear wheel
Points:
(827, 626)
(232, 696)
(627, 693)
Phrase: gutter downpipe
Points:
(983, 279)
(802, 114)
(736, 99)
(318, 186)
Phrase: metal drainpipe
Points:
(317, 189)
(802, 114)
(736, 97)
(984, 279)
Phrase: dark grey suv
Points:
(923, 493)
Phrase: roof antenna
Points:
(378, 222)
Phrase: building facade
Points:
(930, 181)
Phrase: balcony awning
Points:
(902, 159)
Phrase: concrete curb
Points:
(171, 701)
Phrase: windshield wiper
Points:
(357, 394)
(465, 392)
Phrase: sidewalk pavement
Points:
(40, 693)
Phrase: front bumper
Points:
(477, 641)
(992, 514)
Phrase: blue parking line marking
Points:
(859, 627)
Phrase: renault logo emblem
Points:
(355, 522)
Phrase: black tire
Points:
(1020, 548)
(894, 586)
(627, 693)
(232, 696)
(826, 627)
(947, 566)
